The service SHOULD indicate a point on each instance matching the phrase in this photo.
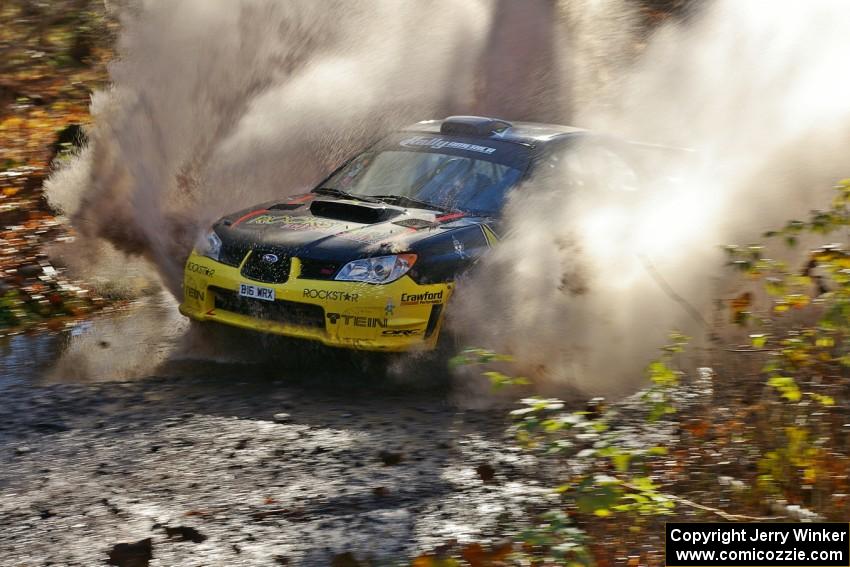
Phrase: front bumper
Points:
(399, 316)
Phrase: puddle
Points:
(118, 346)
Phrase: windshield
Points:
(445, 181)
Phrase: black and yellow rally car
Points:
(368, 259)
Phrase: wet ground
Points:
(232, 449)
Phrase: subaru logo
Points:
(269, 258)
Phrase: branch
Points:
(723, 514)
(665, 287)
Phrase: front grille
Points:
(232, 254)
(289, 312)
(317, 270)
(268, 266)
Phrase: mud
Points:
(224, 462)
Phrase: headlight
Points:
(209, 245)
(379, 270)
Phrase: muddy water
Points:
(118, 346)
(275, 453)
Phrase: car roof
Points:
(526, 133)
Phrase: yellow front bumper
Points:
(399, 316)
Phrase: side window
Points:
(590, 165)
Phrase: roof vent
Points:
(473, 125)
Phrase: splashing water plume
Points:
(219, 105)
(586, 284)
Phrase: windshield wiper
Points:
(334, 192)
(399, 199)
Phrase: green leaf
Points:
(787, 387)
(621, 461)
(823, 400)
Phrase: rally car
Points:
(368, 259)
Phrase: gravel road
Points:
(220, 464)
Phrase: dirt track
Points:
(356, 468)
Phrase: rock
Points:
(136, 554)
(486, 472)
(185, 533)
(68, 138)
(345, 560)
(50, 427)
(390, 459)
(282, 418)
(30, 270)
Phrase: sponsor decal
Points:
(459, 249)
(438, 143)
(199, 269)
(401, 332)
(356, 321)
(249, 215)
(293, 222)
(194, 293)
(332, 295)
(427, 297)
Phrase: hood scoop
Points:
(362, 213)
(286, 206)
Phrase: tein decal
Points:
(356, 321)
(428, 297)
(332, 295)
(195, 294)
(199, 269)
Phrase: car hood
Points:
(320, 227)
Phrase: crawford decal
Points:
(332, 295)
(356, 321)
(427, 297)
(199, 269)
(438, 143)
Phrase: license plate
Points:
(256, 292)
